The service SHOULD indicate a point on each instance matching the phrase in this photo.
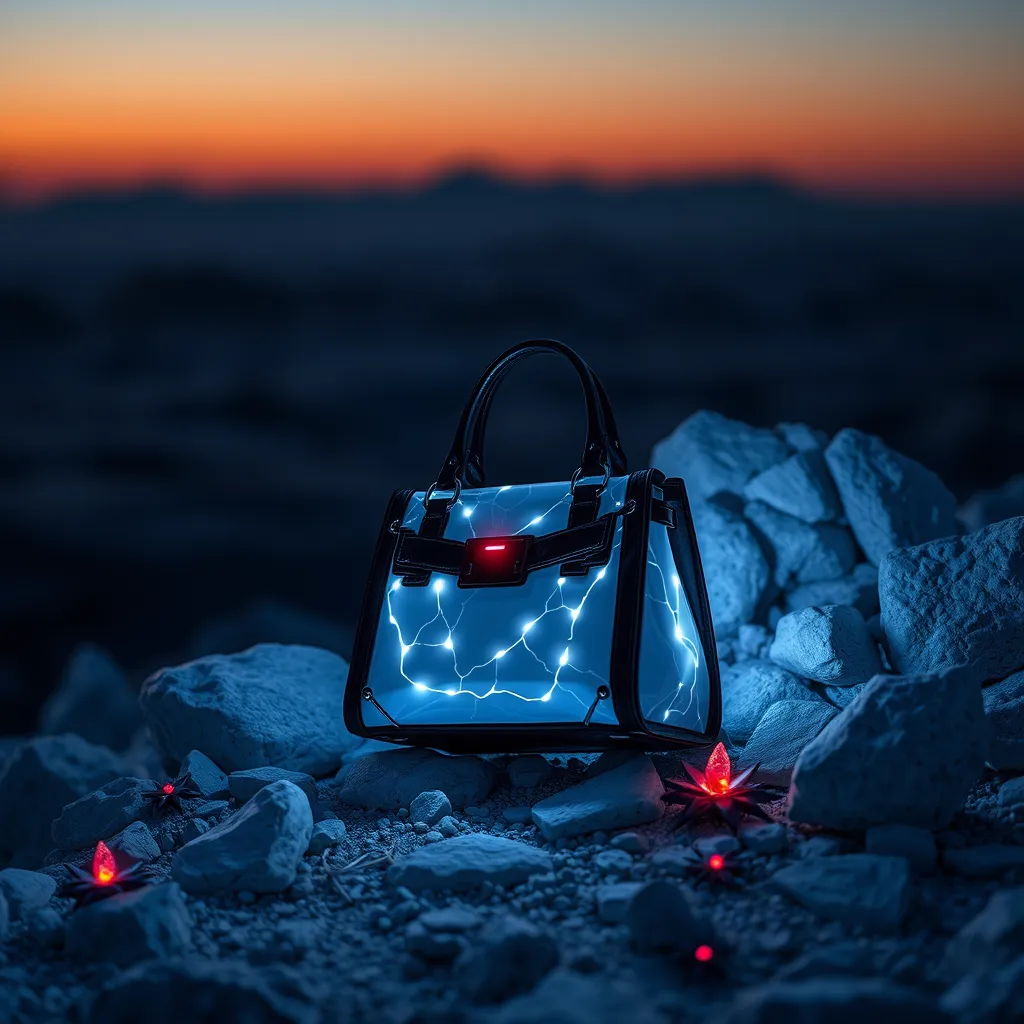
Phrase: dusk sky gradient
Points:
(915, 97)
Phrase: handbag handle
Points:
(602, 452)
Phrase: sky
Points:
(904, 97)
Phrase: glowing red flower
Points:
(717, 793)
(107, 878)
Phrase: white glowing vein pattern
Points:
(675, 603)
(442, 586)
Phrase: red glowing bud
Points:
(718, 773)
(168, 788)
(703, 954)
(716, 862)
(103, 867)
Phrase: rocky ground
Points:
(872, 643)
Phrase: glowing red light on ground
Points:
(104, 870)
(168, 788)
(718, 773)
(494, 547)
(703, 954)
(716, 862)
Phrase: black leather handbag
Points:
(565, 616)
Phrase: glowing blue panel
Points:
(534, 653)
(674, 687)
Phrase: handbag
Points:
(564, 616)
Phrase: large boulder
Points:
(94, 700)
(628, 795)
(393, 778)
(40, 778)
(101, 813)
(271, 705)
(801, 486)
(1004, 709)
(955, 601)
(906, 751)
(750, 688)
(830, 644)
(713, 454)
(466, 862)
(890, 501)
(131, 926)
(801, 552)
(734, 566)
(258, 849)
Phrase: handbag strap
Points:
(602, 452)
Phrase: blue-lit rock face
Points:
(537, 652)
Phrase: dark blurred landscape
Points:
(204, 402)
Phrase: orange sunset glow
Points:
(224, 96)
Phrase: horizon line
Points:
(13, 195)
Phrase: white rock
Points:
(800, 552)
(467, 861)
(780, 737)
(800, 486)
(734, 566)
(271, 705)
(957, 601)
(855, 888)
(325, 835)
(25, 891)
(890, 501)
(394, 778)
(257, 849)
(98, 815)
(211, 782)
(151, 922)
(41, 776)
(750, 688)
(613, 900)
(430, 807)
(906, 751)
(136, 842)
(830, 644)
(628, 795)
(712, 454)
